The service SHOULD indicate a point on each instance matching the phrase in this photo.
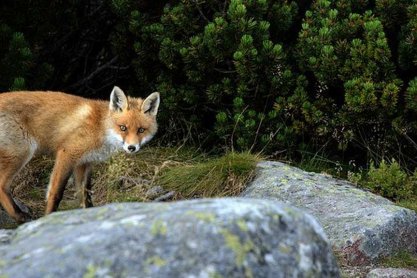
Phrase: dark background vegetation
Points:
(290, 78)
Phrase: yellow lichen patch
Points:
(284, 249)
(159, 228)
(91, 271)
(276, 217)
(308, 182)
(240, 249)
(204, 216)
(156, 260)
(283, 180)
(291, 212)
(215, 275)
(242, 225)
(296, 176)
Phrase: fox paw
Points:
(23, 217)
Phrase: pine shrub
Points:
(388, 179)
(337, 77)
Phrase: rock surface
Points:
(391, 273)
(5, 236)
(236, 237)
(362, 226)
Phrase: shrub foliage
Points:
(338, 76)
(387, 179)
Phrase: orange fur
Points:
(76, 130)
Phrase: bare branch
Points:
(201, 12)
(95, 73)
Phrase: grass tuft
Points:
(403, 259)
(409, 203)
(125, 178)
(223, 176)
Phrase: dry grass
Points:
(31, 184)
(126, 178)
(223, 176)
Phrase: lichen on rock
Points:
(362, 226)
(232, 237)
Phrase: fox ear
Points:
(118, 100)
(151, 103)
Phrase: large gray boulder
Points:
(200, 238)
(362, 226)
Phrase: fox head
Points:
(133, 119)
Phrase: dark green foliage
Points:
(219, 68)
(335, 77)
(60, 45)
(407, 47)
(17, 56)
(388, 179)
(347, 53)
(411, 95)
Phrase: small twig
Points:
(256, 135)
(94, 73)
(201, 12)
(235, 127)
(165, 197)
(224, 7)
(224, 71)
(135, 182)
(270, 139)
(157, 169)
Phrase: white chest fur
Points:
(112, 143)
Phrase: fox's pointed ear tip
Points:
(116, 88)
(154, 95)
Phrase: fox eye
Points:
(141, 130)
(123, 128)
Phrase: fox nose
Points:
(131, 148)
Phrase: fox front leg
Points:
(62, 171)
(82, 177)
(10, 165)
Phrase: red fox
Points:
(78, 131)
